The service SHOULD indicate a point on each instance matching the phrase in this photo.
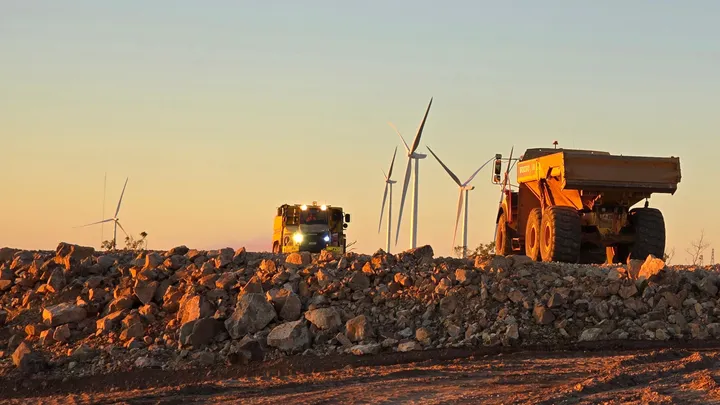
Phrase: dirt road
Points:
(653, 375)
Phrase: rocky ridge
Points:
(78, 312)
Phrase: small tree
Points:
(696, 249)
(144, 235)
(107, 245)
(349, 248)
(668, 256)
(483, 250)
(132, 244)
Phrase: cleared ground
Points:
(639, 373)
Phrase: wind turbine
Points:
(388, 186)
(113, 219)
(412, 154)
(462, 200)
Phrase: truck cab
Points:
(310, 227)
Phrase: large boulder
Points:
(6, 254)
(290, 336)
(358, 328)
(324, 318)
(193, 307)
(200, 332)
(252, 314)
(27, 360)
(63, 313)
(69, 255)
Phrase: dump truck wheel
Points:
(560, 235)
(649, 227)
(532, 234)
(503, 245)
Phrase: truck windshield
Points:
(313, 216)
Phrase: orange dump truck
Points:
(577, 206)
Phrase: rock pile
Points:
(80, 312)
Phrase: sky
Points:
(220, 114)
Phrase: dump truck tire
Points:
(649, 227)
(560, 235)
(532, 234)
(503, 244)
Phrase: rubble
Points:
(76, 311)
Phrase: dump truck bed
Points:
(600, 171)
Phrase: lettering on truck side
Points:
(525, 170)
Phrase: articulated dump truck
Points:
(577, 206)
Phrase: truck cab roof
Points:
(538, 152)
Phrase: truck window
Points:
(313, 216)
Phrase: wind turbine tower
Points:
(412, 155)
(388, 187)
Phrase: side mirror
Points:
(279, 212)
(497, 169)
(347, 217)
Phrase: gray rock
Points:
(359, 281)
(252, 314)
(145, 290)
(200, 332)
(63, 313)
(290, 336)
(591, 335)
(358, 329)
(360, 350)
(27, 360)
(324, 318)
(291, 309)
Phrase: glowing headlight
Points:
(323, 207)
(298, 237)
(326, 238)
(303, 207)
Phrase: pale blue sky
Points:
(220, 111)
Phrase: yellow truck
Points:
(575, 205)
(311, 228)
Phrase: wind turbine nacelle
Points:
(416, 155)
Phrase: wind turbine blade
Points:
(123, 229)
(392, 163)
(401, 137)
(382, 210)
(477, 171)
(402, 200)
(121, 197)
(454, 177)
(457, 218)
(385, 175)
(416, 142)
(94, 223)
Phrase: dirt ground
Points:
(638, 373)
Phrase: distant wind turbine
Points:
(388, 186)
(102, 227)
(462, 200)
(114, 219)
(412, 154)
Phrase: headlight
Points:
(326, 238)
(298, 237)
